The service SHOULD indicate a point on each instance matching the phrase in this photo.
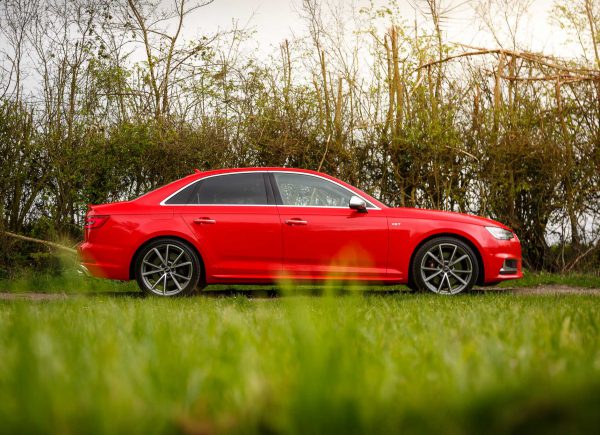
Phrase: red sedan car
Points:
(259, 225)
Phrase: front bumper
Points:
(503, 261)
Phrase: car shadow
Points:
(271, 293)
(257, 293)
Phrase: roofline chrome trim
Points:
(162, 203)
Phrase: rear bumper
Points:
(83, 270)
(103, 261)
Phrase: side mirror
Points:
(358, 204)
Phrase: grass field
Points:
(70, 281)
(489, 363)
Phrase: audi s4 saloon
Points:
(261, 225)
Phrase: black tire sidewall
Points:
(416, 265)
(197, 267)
(412, 287)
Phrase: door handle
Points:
(296, 221)
(204, 220)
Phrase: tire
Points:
(167, 268)
(445, 265)
(412, 287)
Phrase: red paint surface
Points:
(252, 244)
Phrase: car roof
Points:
(197, 175)
(259, 169)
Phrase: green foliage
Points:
(411, 364)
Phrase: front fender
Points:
(411, 233)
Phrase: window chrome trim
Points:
(373, 206)
(208, 205)
(162, 203)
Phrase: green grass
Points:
(490, 363)
(533, 279)
(70, 281)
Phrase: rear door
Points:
(322, 236)
(236, 224)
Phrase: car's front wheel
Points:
(445, 265)
(167, 267)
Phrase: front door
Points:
(323, 237)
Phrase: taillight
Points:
(95, 221)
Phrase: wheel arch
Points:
(462, 238)
(188, 243)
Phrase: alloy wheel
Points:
(446, 268)
(167, 269)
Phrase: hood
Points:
(419, 213)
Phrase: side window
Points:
(308, 191)
(183, 196)
(243, 189)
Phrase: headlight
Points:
(500, 233)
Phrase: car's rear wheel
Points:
(167, 267)
(445, 265)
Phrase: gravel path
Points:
(549, 290)
(32, 296)
(528, 291)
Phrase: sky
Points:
(275, 20)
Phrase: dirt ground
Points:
(528, 291)
(550, 290)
